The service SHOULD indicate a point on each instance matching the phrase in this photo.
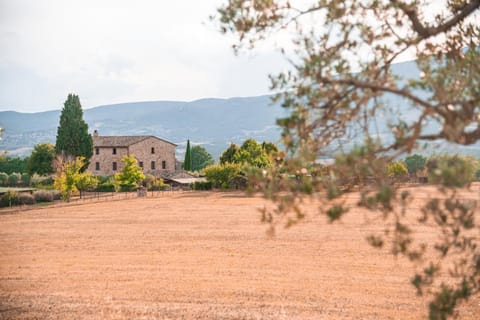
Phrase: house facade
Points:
(154, 155)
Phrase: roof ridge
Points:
(123, 141)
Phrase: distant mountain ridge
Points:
(213, 123)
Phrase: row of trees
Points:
(196, 158)
(237, 161)
(70, 178)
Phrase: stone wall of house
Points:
(105, 159)
(162, 151)
(146, 151)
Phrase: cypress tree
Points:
(73, 138)
(187, 163)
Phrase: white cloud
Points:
(117, 51)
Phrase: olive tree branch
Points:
(427, 32)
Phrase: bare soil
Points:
(199, 255)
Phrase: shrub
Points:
(25, 179)
(222, 175)
(105, 187)
(26, 198)
(415, 162)
(38, 180)
(202, 185)
(57, 195)
(48, 181)
(10, 198)
(14, 179)
(131, 174)
(86, 182)
(149, 180)
(43, 196)
(158, 187)
(104, 179)
(3, 178)
(127, 187)
(396, 169)
(451, 170)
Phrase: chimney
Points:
(95, 133)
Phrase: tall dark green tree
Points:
(187, 163)
(200, 158)
(73, 139)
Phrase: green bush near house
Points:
(222, 175)
(130, 176)
(105, 187)
(202, 185)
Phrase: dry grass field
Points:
(198, 255)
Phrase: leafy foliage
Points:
(10, 198)
(222, 175)
(41, 159)
(341, 81)
(3, 179)
(68, 173)
(250, 153)
(85, 182)
(396, 169)
(415, 162)
(10, 165)
(452, 170)
(131, 174)
(200, 158)
(73, 139)
(153, 183)
(199, 185)
(228, 155)
(14, 179)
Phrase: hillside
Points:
(213, 123)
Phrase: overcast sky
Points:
(111, 51)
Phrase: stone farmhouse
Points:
(154, 155)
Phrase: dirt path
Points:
(195, 256)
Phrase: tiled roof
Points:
(177, 175)
(121, 141)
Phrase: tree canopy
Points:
(41, 159)
(12, 164)
(415, 162)
(73, 139)
(342, 81)
(229, 154)
(131, 174)
(250, 153)
(200, 158)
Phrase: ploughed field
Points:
(200, 255)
